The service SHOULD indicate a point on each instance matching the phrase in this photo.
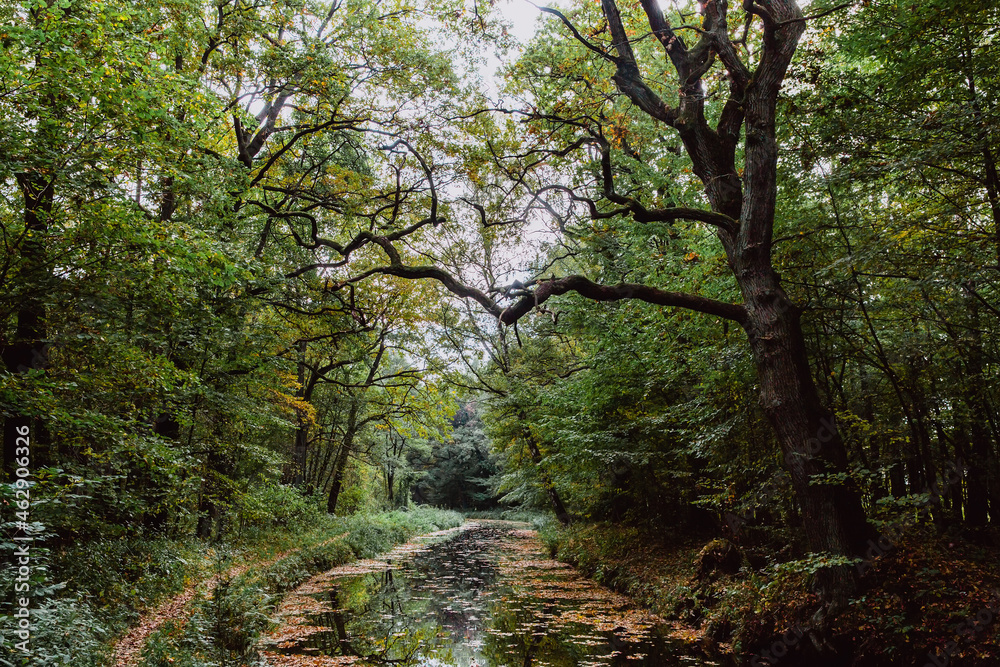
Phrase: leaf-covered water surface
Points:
(483, 594)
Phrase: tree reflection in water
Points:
(486, 596)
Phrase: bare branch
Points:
(592, 290)
(576, 34)
(816, 16)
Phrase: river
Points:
(484, 594)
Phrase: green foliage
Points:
(180, 642)
(460, 472)
(121, 576)
(223, 629)
(633, 423)
(65, 631)
(236, 618)
(165, 268)
(219, 269)
(273, 504)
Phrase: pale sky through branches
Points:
(523, 17)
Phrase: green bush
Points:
(123, 575)
(64, 632)
(180, 643)
(237, 616)
(536, 519)
(276, 505)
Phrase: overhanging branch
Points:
(450, 282)
(576, 33)
(591, 290)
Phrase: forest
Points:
(707, 292)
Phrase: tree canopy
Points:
(726, 270)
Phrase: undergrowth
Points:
(91, 592)
(224, 629)
(930, 599)
(538, 520)
(652, 569)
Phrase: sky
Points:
(522, 16)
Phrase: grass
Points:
(540, 520)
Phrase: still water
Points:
(481, 595)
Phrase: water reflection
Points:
(480, 596)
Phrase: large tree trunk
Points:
(833, 518)
(28, 350)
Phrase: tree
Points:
(733, 151)
(506, 383)
(457, 471)
(904, 152)
(154, 227)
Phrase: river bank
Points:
(192, 602)
(925, 598)
(223, 626)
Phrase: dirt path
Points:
(128, 649)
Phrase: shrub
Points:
(64, 632)
(272, 504)
(127, 574)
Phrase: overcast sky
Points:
(522, 15)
